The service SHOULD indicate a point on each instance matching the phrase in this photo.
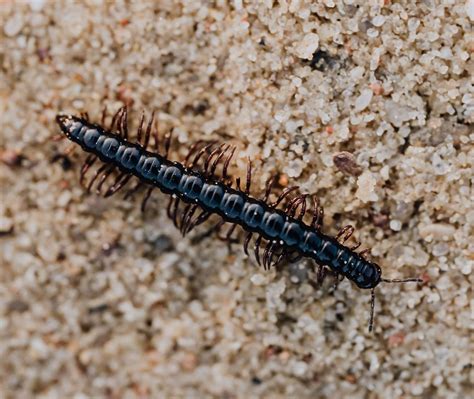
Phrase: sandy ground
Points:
(368, 104)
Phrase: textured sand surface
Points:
(368, 104)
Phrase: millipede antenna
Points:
(406, 280)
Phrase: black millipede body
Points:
(198, 186)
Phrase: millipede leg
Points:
(286, 256)
(125, 124)
(146, 197)
(295, 203)
(268, 254)
(104, 115)
(156, 136)
(187, 217)
(318, 214)
(321, 275)
(168, 142)
(201, 218)
(172, 210)
(201, 152)
(355, 246)
(372, 309)
(248, 237)
(95, 176)
(280, 257)
(170, 205)
(116, 181)
(303, 208)
(69, 150)
(210, 231)
(248, 180)
(58, 137)
(120, 182)
(295, 259)
(225, 176)
(283, 254)
(90, 160)
(237, 184)
(132, 191)
(257, 249)
(337, 279)
(228, 236)
(183, 215)
(103, 178)
(270, 183)
(192, 150)
(283, 195)
(140, 128)
(174, 213)
(364, 252)
(346, 232)
(115, 117)
(119, 122)
(290, 206)
(265, 254)
(215, 151)
(219, 158)
(146, 141)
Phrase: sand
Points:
(367, 104)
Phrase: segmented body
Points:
(234, 206)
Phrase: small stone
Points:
(378, 20)
(300, 368)
(37, 5)
(438, 231)
(6, 225)
(366, 187)
(274, 292)
(10, 157)
(440, 249)
(298, 273)
(64, 199)
(258, 279)
(363, 100)
(372, 33)
(398, 114)
(189, 362)
(466, 267)
(470, 9)
(440, 167)
(347, 164)
(417, 390)
(395, 225)
(14, 25)
(308, 46)
(48, 250)
(356, 73)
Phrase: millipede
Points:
(281, 234)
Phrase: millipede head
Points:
(65, 122)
